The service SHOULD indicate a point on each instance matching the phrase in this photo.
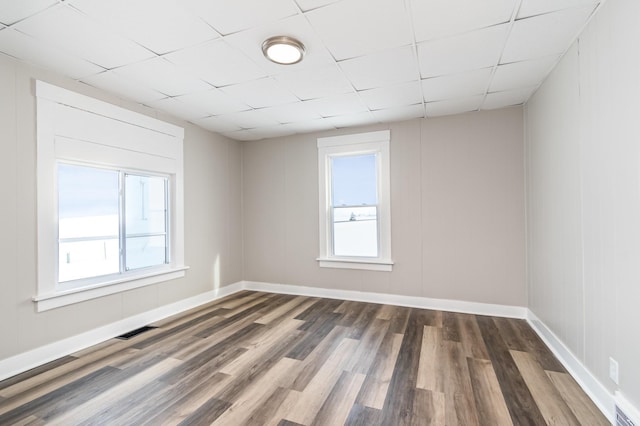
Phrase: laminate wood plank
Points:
(246, 297)
(309, 401)
(386, 312)
(376, 385)
(430, 375)
(536, 347)
(459, 398)
(581, 406)
(553, 408)
(471, 338)
(285, 310)
(267, 411)
(450, 327)
(337, 406)
(319, 308)
(400, 319)
(368, 347)
(207, 413)
(429, 408)
(318, 330)
(129, 386)
(284, 422)
(490, 404)
(36, 371)
(363, 416)
(30, 421)
(363, 321)
(272, 300)
(520, 402)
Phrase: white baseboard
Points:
(603, 399)
(392, 299)
(27, 360)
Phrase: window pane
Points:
(145, 205)
(354, 180)
(88, 228)
(355, 231)
(143, 252)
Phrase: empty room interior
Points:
(320, 212)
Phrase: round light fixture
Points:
(283, 50)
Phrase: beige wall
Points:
(457, 190)
(583, 178)
(212, 221)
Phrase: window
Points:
(355, 222)
(110, 201)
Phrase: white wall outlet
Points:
(613, 370)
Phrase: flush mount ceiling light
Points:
(283, 50)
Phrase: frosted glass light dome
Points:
(283, 50)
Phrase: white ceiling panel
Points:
(522, 74)
(352, 28)
(392, 96)
(250, 43)
(80, 36)
(538, 7)
(12, 11)
(352, 120)
(261, 93)
(214, 101)
(163, 76)
(399, 113)
(159, 25)
(453, 106)
(441, 18)
(277, 131)
(250, 119)
(456, 85)
(228, 17)
(30, 50)
(178, 109)
(124, 87)
(545, 35)
(217, 63)
(244, 135)
(507, 98)
(295, 112)
(381, 68)
(332, 106)
(474, 50)
(216, 124)
(315, 82)
(309, 126)
(307, 5)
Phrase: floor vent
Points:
(626, 414)
(133, 333)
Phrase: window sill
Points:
(370, 265)
(54, 300)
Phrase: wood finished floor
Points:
(267, 359)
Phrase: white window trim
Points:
(77, 128)
(363, 143)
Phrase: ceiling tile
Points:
(163, 76)
(352, 120)
(277, 131)
(315, 82)
(538, 7)
(82, 37)
(307, 5)
(250, 43)
(310, 126)
(441, 18)
(231, 16)
(214, 101)
(381, 68)
(12, 11)
(289, 113)
(178, 109)
(455, 106)
(522, 74)
(545, 35)
(216, 124)
(456, 85)
(122, 86)
(159, 25)
(332, 106)
(217, 63)
(354, 28)
(250, 119)
(508, 98)
(30, 50)
(474, 50)
(402, 113)
(244, 135)
(261, 93)
(392, 96)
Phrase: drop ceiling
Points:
(367, 61)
